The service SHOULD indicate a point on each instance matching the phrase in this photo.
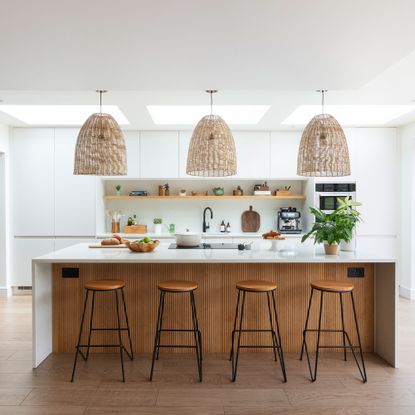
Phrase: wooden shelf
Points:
(206, 197)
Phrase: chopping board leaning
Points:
(251, 221)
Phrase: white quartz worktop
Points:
(208, 235)
(260, 253)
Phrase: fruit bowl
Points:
(143, 247)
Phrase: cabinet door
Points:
(61, 243)
(184, 139)
(283, 154)
(24, 250)
(132, 144)
(74, 195)
(33, 181)
(252, 150)
(159, 154)
(374, 164)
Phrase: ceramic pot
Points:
(331, 249)
(188, 239)
(218, 191)
(157, 228)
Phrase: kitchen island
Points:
(59, 278)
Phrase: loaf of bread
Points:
(110, 241)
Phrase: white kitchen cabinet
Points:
(61, 243)
(253, 154)
(373, 153)
(184, 142)
(75, 196)
(159, 154)
(33, 181)
(24, 250)
(283, 153)
(132, 144)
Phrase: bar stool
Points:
(336, 287)
(107, 286)
(180, 287)
(259, 287)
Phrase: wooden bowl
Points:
(136, 247)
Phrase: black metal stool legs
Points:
(362, 369)
(119, 330)
(274, 330)
(347, 344)
(119, 335)
(80, 335)
(234, 360)
(196, 332)
(278, 340)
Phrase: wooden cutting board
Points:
(251, 221)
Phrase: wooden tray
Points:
(251, 221)
(107, 246)
(135, 229)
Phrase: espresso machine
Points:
(289, 220)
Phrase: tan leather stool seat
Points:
(177, 286)
(332, 286)
(105, 285)
(256, 285)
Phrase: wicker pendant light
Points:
(100, 148)
(323, 149)
(212, 150)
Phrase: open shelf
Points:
(206, 197)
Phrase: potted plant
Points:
(351, 217)
(333, 228)
(118, 189)
(157, 225)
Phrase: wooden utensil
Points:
(251, 221)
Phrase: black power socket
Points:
(355, 272)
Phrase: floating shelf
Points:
(206, 197)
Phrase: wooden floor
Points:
(175, 390)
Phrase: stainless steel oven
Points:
(326, 194)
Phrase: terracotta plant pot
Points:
(331, 249)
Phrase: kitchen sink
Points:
(206, 246)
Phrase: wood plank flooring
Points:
(175, 389)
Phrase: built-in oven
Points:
(327, 195)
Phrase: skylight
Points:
(191, 114)
(60, 114)
(350, 114)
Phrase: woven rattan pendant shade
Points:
(323, 148)
(212, 150)
(100, 148)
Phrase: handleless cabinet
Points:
(252, 150)
(32, 187)
(74, 196)
(283, 153)
(159, 154)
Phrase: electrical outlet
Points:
(355, 272)
(70, 272)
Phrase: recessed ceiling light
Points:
(350, 114)
(59, 114)
(191, 114)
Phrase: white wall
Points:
(4, 206)
(406, 211)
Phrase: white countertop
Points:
(260, 253)
(207, 235)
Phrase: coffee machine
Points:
(289, 220)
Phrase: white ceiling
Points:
(268, 52)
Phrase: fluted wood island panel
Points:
(215, 301)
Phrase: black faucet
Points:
(206, 226)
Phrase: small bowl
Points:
(136, 247)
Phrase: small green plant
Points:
(157, 221)
(118, 187)
(332, 228)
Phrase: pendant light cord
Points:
(100, 102)
(211, 102)
(323, 91)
